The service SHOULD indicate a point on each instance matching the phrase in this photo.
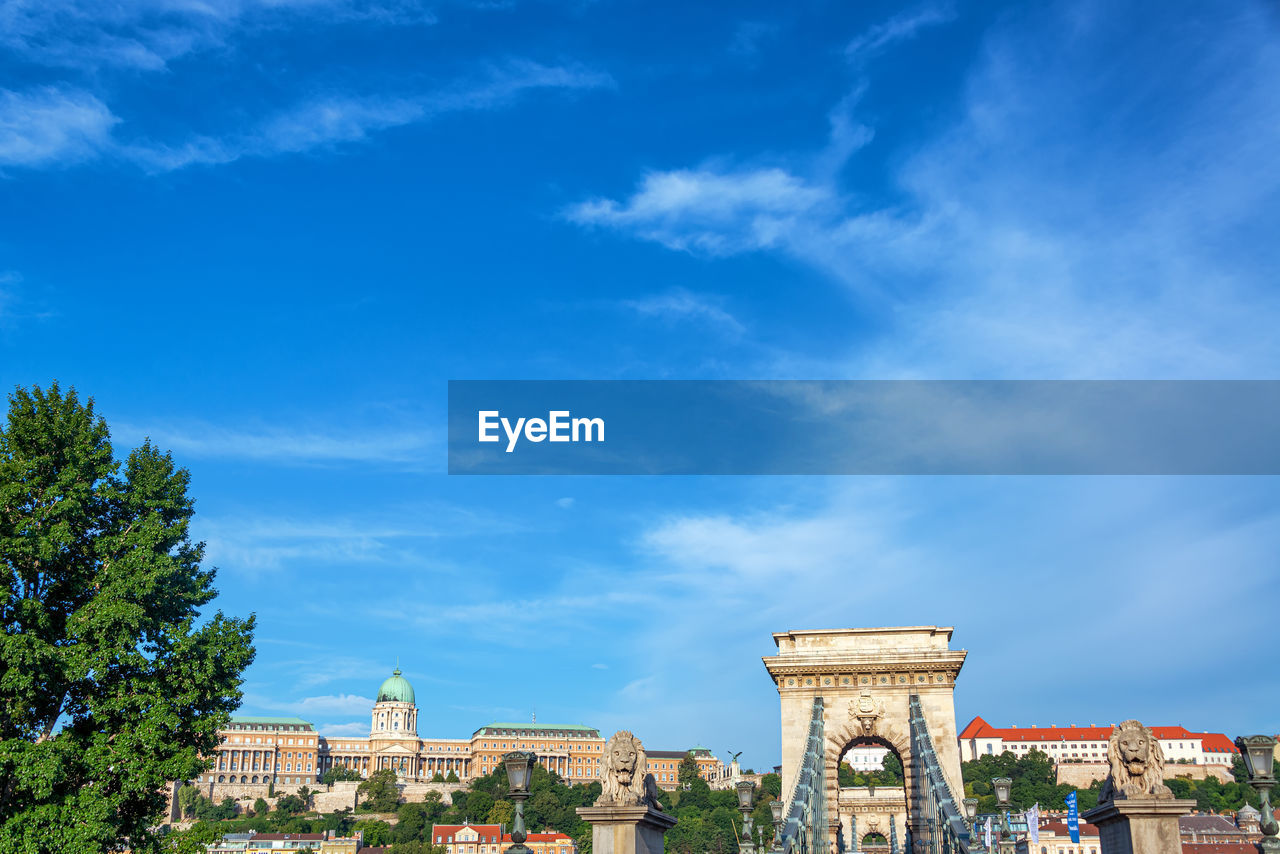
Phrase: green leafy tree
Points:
(261, 807)
(193, 841)
(109, 683)
(290, 805)
(339, 773)
(375, 832)
(187, 796)
(417, 847)
(503, 813)
(379, 793)
(437, 777)
(411, 823)
(452, 778)
(307, 796)
(771, 784)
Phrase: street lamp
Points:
(775, 807)
(971, 814)
(746, 791)
(519, 765)
(1259, 753)
(1002, 786)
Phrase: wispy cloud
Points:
(718, 213)
(52, 126)
(681, 306)
(397, 536)
(898, 28)
(1030, 239)
(147, 35)
(60, 127)
(213, 441)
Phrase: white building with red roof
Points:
(468, 838)
(1089, 743)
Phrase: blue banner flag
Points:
(1073, 818)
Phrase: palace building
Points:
(1089, 743)
(288, 752)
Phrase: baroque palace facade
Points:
(289, 753)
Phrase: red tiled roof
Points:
(1219, 848)
(978, 728)
(975, 728)
(448, 831)
(556, 837)
(1216, 742)
(1058, 828)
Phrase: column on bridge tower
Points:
(853, 833)
(893, 835)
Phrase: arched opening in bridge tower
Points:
(874, 843)
(873, 802)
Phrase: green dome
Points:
(396, 689)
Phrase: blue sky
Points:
(267, 233)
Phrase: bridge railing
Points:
(940, 828)
(804, 827)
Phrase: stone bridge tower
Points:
(866, 677)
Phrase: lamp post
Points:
(971, 815)
(1002, 786)
(746, 789)
(1258, 752)
(519, 765)
(775, 807)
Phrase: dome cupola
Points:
(396, 690)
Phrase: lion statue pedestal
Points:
(1136, 812)
(626, 818)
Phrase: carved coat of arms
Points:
(868, 711)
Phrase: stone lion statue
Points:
(1137, 765)
(626, 783)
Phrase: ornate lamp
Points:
(971, 815)
(519, 765)
(775, 807)
(1002, 785)
(1259, 753)
(746, 791)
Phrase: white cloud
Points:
(58, 127)
(898, 28)
(708, 211)
(204, 440)
(564, 503)
(681, 305)
(1030, 239)
(147, 35)
(52, 126)
(397, 536)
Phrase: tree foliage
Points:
(1034, 781)
(338, 773)
(110, 685)
(379, 793)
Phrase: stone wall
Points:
(1081, 774)
(331, 799)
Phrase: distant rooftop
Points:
(266, 720)
(499, 727)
